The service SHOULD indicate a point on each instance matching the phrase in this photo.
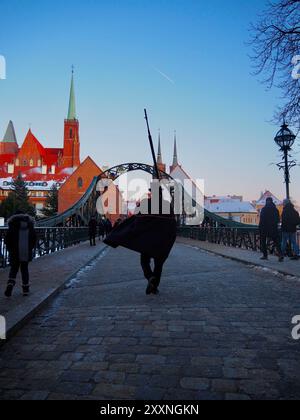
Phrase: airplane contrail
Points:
(164, 75)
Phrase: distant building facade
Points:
(233, 208)
(261, 202)
(41, 167)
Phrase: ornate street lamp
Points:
(285, 139)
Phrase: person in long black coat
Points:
(20, 241)
(290, 221)
(150, 233)
(269, 228)
(93, 226)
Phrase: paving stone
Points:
(149, 359)
(73, 388)
(195, 384)
(149, 393)
(36, 396)
(225, 335)
(124, 367)
(237, 397)
(110, 377)
(77, 376)
(118, 392)
(224, 386)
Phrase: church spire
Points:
(72, 103)
(10, 135)
(9, 144)
(175, 155)
(159, 154)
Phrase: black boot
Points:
(26, 290)
(10, 287)
(151, 286)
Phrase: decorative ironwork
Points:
(84, 209)
(49, 240)
(239, 237)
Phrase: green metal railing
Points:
(49, 240)
(236, 237)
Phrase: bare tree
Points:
(276, 41)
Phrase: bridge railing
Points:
(49, 240)
(245, 238)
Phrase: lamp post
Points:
(285, 139)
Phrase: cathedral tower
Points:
(71, 154)
(160, 164)
(9, 144)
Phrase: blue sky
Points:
(221, 112)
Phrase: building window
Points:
(31, 163)
(80, 182)
(17, 162)
(25, 163)
(39, 162)
(71, 133)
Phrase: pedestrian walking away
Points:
(20, 241)
(107, 226)
(101, 230)
(93, 228)
(290, 221)
(152, 233)
(269, 228)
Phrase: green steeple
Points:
(72, 103)
(10, 135)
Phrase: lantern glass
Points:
(285, 138)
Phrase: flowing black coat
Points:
(152, 235)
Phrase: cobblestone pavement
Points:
(218, 330)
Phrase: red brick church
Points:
(41, 167)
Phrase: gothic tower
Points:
(175, 155)
(160, 164)
(71, 154)
(9, 144)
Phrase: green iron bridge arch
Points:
(81, 212)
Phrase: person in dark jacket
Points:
(290, 221)
(101, 230)
(93, 226)
(108, 226)
(269, 228)
(20, 241)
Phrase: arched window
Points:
(80, 182)
(17, 162)
(31, 163)
(25, 163)
(71, 133)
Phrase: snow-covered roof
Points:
(231, 207)
(264, 196)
